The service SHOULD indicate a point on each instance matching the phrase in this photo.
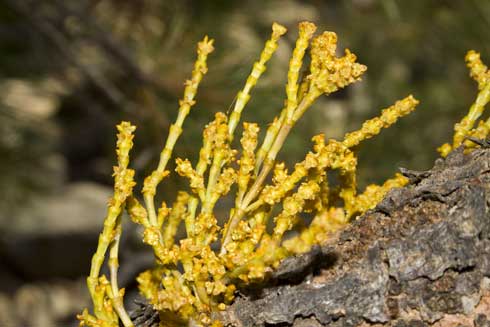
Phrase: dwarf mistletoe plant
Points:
(191, 278)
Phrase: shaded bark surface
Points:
(420, 258)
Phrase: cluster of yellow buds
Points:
(466, 127)
(201, 271)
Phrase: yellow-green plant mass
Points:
(201, 271)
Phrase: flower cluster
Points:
(466, 127)
(201, 272)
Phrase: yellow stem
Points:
(151, 182)
(117, 300)
(476, 109)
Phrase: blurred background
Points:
(71, 69)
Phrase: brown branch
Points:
(50, 32)
(421, 258)
(94, 33)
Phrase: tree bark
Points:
(420, 258)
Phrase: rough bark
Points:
(420, 258)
